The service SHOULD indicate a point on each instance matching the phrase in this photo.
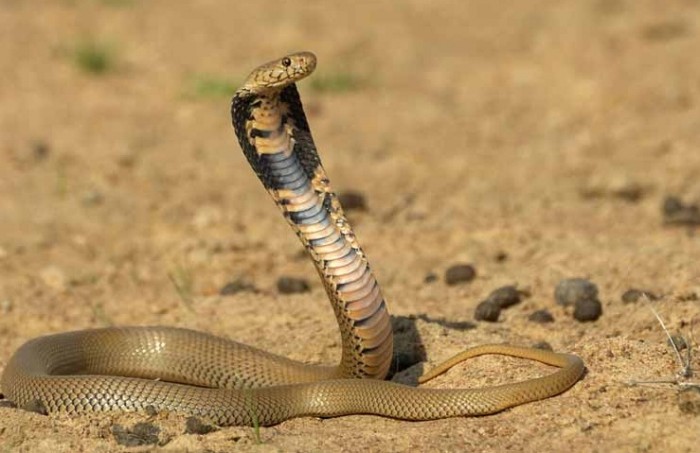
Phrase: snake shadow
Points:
(409, 351)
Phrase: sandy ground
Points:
(474, 129)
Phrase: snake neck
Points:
(274, 135)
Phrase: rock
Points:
(195, 425)
(292, 285)
(505, 296)
(571, 290)
(586, 310)
(487, 311)
(543, 345)
(352, 201)
(633, 295)
(541, 317)
(675, 212)
(140, 434)
(459, 273)
(237, 286)
(430, 277)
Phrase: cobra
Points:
(228, 383)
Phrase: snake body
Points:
(194, 373)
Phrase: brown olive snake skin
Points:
(229, 383)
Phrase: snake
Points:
(172, 369)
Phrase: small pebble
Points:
(236, 286)
(140, 434)
(501, 257)
(675, 212)
(40, 150)
(689, 400)
(194, 425)
(541, 317)
(587, 310)
(571, 290)
(460, 273)
(633, 295)
(688, 297)
(292, 285)
(543, 345)
(352, 201)
(672, 205)
(487, 311)
(505, 296)
(430, 277)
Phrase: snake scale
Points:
(193, 373)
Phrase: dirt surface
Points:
(536, 141)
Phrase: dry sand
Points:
(548, 131)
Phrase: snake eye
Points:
(286, 61)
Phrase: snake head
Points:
(279, 73)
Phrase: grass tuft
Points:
(94, 57)
(182, 280)
(210, 86)
(336, 82)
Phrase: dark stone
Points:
(236, 286)
(586, 310)
(459, 273)
(487, 311)
(571, 290)
(675, 212)
(505, 296)
(40, 150)
(501, 257)
(292, 285)
(543, 345)
(430, 277)
(194, 425)
(672, 205)
(140, 434)
(633, 295)
(352, 201)
(541, 317)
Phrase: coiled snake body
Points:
(232, 384)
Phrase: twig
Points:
(686, 369)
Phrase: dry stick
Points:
(686, 370)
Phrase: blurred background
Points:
(538, 140)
